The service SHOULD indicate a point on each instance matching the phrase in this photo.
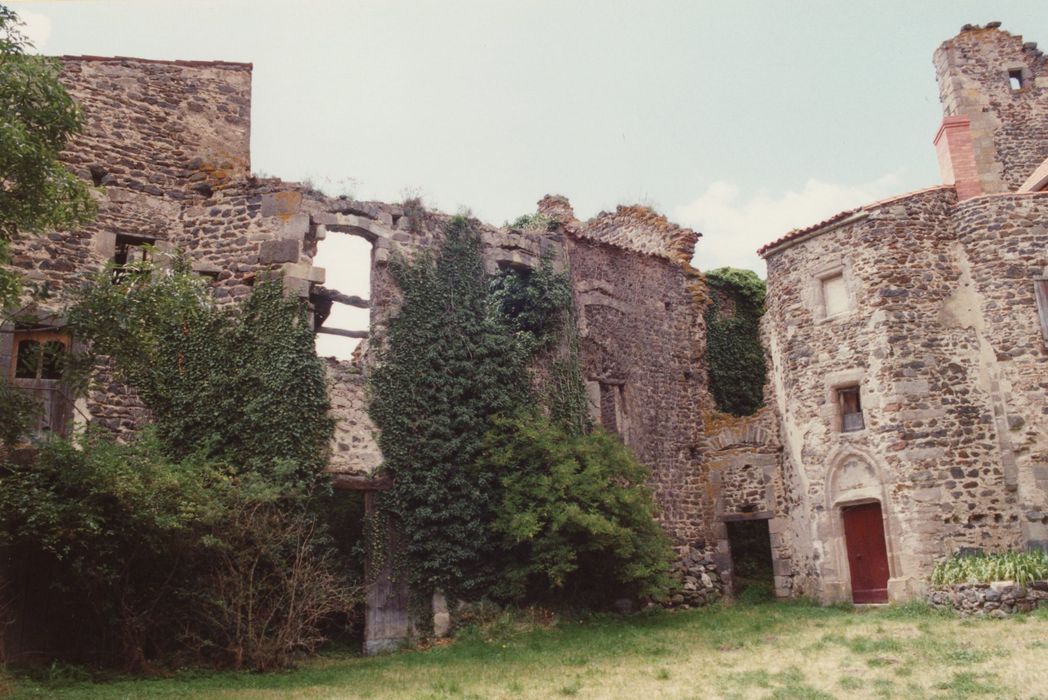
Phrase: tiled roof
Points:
(793, 235)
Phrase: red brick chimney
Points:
(953, 145)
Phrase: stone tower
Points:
(994, 91)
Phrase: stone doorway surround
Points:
(855, 477)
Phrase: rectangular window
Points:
(37, 363)
(851, 409)
(129, 252)
(834, 295)
(1015, 79)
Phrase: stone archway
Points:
(855, 483)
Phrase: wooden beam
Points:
(340, 298)
(343, 333)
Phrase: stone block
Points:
(295, 227)
(283, 204)
(284, 250)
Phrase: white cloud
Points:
(733, 226)
(37, 28)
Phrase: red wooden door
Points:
(867, 553)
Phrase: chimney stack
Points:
(953, 145)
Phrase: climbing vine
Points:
(478, 383)
(448, 365)
(733, 346)
(240, 384)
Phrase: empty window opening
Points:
(347, 261)
(752, 576)
(834, 295)
(850, 404)
(129, 254)
(613, 408)
(1015, 78)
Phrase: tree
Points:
(37, 117)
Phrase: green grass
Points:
(771, 650)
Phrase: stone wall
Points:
(929, 452)
(1009, 127)
(643, 339)
(998, 599)
(1003, 249)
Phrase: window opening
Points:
(343, 313)
(851, 409)
(130, 252)
(834, 295)
(37, 364)
(39, 360)
(1015, 78)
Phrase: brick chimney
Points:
(953, 145)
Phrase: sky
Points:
(740, 119)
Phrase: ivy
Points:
(447, 367)
(499, 489)
(733, 348)
(243, 385)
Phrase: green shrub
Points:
(576, 517)
(1021, 567)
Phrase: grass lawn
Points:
(772, 650)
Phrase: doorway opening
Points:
(867, 552)
(753, 577)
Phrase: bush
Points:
(576, 518)
(1021, 567)
(145, 556)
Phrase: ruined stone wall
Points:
(929, 452)
(1009, 127)
(1004, 242)
(642, 229)
(642, 351)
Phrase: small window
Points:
(1015, 78)
(129, 253)
(834, 295)
(851, 409)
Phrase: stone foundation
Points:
(701, 582)
(997, 599)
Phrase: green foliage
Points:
(242, 385)
(534, 304)
(526, 508)
(18, 410)
(1021, 567)
(37, 192)
(733, 347)
(576, 516)
(533, 222)
(449, 365)
(146, 556)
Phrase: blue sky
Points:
(742, 119)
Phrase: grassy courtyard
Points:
(744, 651)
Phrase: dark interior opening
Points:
(343, 511)
(752, 575)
